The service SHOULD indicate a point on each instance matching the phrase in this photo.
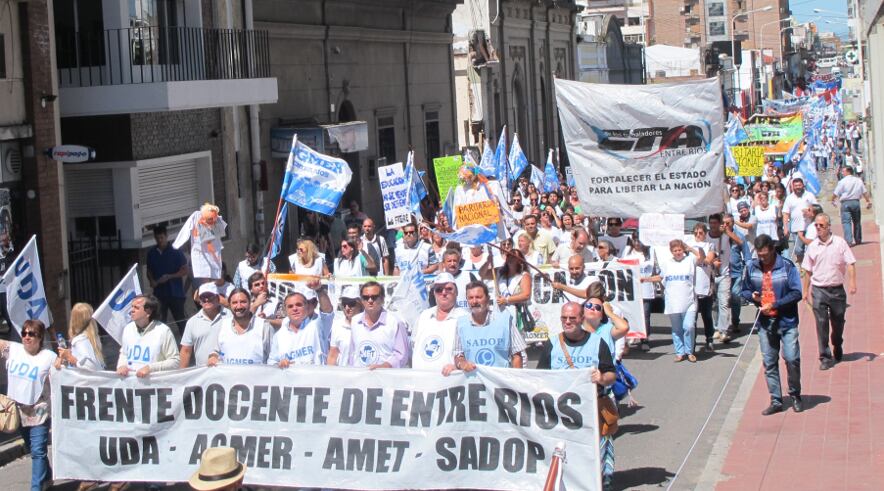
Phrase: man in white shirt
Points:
(578, 245)
(793, 216)
(576, 281)
(297, 342)
(379, 337)
(848, 191)
(339, 347)
(451, 264)
(436, 327)
(410, 247)
(371, 239)
(147, 344)
(201, 332)
(244, 339)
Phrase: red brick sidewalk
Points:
(838, 441)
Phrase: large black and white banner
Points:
(645, 148)
(329, 427)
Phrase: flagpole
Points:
(279, 205)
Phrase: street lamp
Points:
(736, 73)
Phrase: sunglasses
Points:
(613, 224)
(209, 297)
(29, 334)
(408, 232)
(593, 306)
(371, 298)
(349, 303)
(445, 289)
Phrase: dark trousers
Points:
(704, 311)
(829, 307)
(176, 306)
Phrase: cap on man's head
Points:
(350, 292)
(443, 278)
(208, 287)
(742, 205)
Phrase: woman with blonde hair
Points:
(85, 351)
(307, 260)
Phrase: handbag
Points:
(524, 320)
(624, 383)
(608, 413)
(10, 420)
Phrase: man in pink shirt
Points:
(826, 261)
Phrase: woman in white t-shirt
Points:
(307, 260)
(351, 262)
(513, 283)
(526, 247)
(766, 218)
(678, 273)
(705, 280)
(474, 258)
(27, 373)
(85, 351)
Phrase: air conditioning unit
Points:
(10, 162)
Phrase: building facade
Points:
(516, 53)
(603, 55)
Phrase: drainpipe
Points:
(406, 51)
(254, 137)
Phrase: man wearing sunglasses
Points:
(436, 327)
(411, 249)
(615, 236)
(484, 337)
(379, 337)
(201, 332)
(339, 350)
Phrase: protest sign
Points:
(645, 148)
(750, 161)
(775, 128)
(394, 190)
(320, 427)
(446, 173)
(657, 229)
(25, 294)
(478, 213)
(315, 181)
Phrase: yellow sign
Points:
(478, 213)
(750, 161)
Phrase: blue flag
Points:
(735, 133)
(517, 159)
(793, 152)
(550, 177)
(488, 165)
(277, 231)
(536, 178)
(500, 157)
(416, 189)
(729, 160)
(473, 235)
(315, 181)
(808, 169)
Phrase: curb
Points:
(11, 451)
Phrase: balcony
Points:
(150, 69)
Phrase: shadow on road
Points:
(812, 401)
(636, 429)
(641, 476)
(859, 356)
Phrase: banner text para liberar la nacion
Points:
(327, 426)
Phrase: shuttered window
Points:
(90, 193)
(167, 192)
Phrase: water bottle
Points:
(59, 338)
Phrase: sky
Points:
(802, 10)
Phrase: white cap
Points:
(443, 278)
(208, 287)
(308, 292)
(350, 292)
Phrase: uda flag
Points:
(25, 295)
(315, 181)
(113, 314)
(517, 159)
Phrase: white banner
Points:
(394, 190)
(25, 295)
(645, 148)
(323, 427)
(658, 229)
(113, 313)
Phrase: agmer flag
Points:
(316, 181)
(645, 148)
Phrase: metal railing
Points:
(138, 55)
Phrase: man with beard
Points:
(484, 337)
(243, 339)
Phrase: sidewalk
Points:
(838, 441)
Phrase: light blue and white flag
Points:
(472, 235)
(735, 133)
(808, 170)
(410, 296)
(488, 164)
(793, 152)
(113, 313)
(278, 229)
(25, 295)
(317, 182)
(416, 188)
(500, 161)
(536, 178)
(729, 160)
(550, 176)
(517, 159)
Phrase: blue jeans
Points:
(796, 246)
(736, 301)
(38, 439)
(771, 337)
(851, 219)
(683, 325)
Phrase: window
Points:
(431, 130)
(716, 9)
(154, 31)
(79, 32)
(717, 28)
(387, 138)
(634, 21)
(2, 57)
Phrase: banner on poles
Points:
(25, 294)
(478, 213)
(645, 148)
(320, 427)
(113, 313)
(446, 173)
(394, 190)
(749, 159)
(776, 128)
